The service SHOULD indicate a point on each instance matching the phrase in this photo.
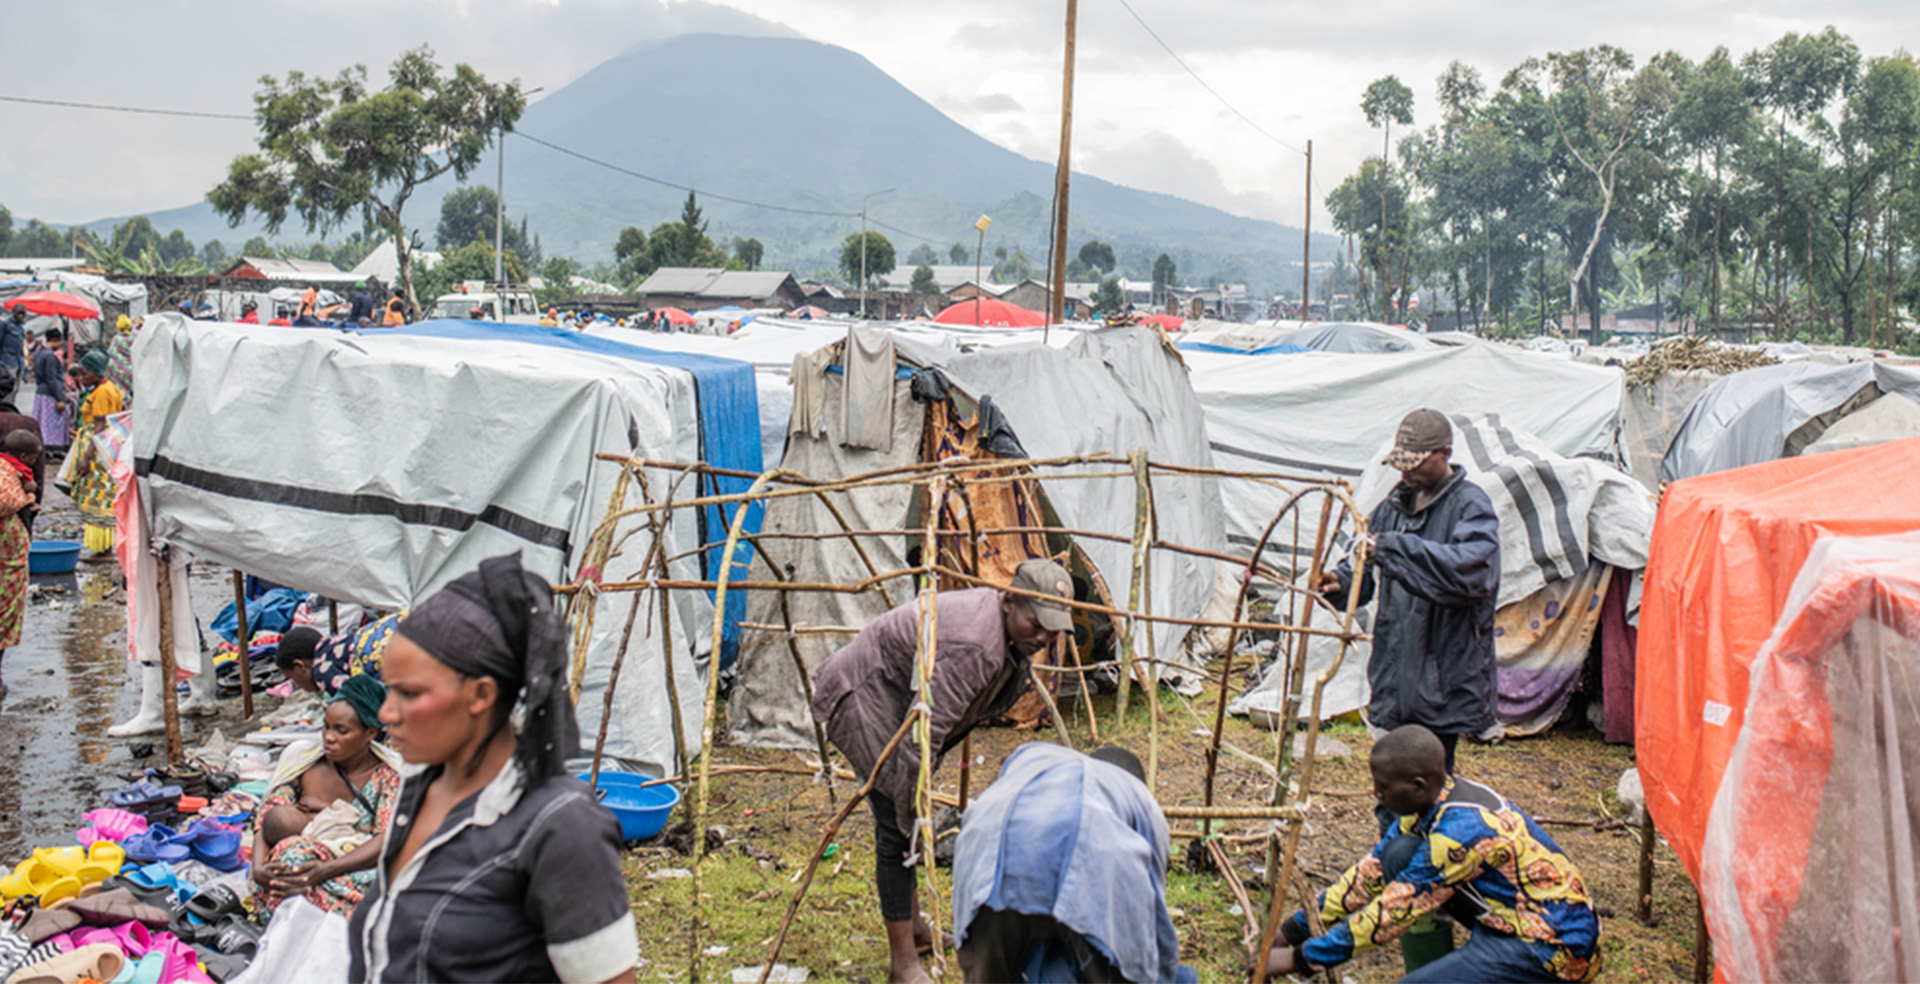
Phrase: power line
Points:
(147, 111)
(1203, 82)
(125, 109)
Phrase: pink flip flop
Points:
(111, 824)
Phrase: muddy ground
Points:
(773, 822)
(70, 679)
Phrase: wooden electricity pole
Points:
(1306, 245)
(1056, 304)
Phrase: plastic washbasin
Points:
(53, 556)
(642, 811)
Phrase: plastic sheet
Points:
(1808, 868)
(303, 945)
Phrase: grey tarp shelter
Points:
(375, 466)
(1110, 390)
(1775, 411)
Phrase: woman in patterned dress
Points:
(93, 486)
(329, 861)
(18, 451)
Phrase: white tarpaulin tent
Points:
(375, 466)
(1112, 391)
(1318, 413)
(1775, 411)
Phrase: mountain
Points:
(811, 127)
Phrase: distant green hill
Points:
(812, 126)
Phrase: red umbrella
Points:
(1167, 322)
(990, 313)
(52, 302)
(673, 315)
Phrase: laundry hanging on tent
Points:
(868, 406)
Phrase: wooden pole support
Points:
(240, 632)
(1702, 945)
(333, 617)
(169, 696)
(1647, 838)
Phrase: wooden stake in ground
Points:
(245, 637)
(1647, 836)
(169, 695)
(826, 837)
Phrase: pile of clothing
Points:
(152, 891)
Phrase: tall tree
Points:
(957, 254)
(923, 255)
(1599, 106)
(878, 261)
(750, 251)
(331, 149)
(1098, 256)
(1165, 276)
(468, 215)
(1713, 115)
(924, 283)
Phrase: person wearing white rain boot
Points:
(201, 701)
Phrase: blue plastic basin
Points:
(642, 812)
(53, 556)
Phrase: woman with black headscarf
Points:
(499, 865)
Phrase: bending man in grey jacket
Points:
(864, 691)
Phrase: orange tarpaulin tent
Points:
(1809, 870)
(1726, 550)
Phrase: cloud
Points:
(994, 102)
(1159, 161)
(68, 165)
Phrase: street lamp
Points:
(500, 208)
(863, 247)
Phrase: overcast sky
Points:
(1296, 68)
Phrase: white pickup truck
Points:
(504, 304)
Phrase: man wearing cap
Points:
(1436, 557)
(1436, 571)
(864, 692)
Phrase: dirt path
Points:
(772, 823)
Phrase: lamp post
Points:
(863, 246)
(981, 224)
(500, 207)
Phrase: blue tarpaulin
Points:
(729, 430)
(1284, 348)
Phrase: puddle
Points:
(69, 681)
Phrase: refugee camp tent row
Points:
(1777, 739)
(1106, 391)
(1776, 411)
(397, 459)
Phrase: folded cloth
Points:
(97, 961)
(334, 827)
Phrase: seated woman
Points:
(324, 821)
(319, 664)
(501, 865)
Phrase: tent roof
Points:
(1726, 549)
(384, 262)
(715, 283)
(1750, 416)
(318, 271)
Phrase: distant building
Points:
(1034, 296)
(699, 288)
(294, 271)
(947, 276)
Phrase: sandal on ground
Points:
(215, 903)
(237, 936)
(160, 844)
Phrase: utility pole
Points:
(500, 212)
(981, 224)
(863, 246)
(1056, 305)
(1306, 246)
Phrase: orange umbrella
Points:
(51, 303)
(988, 312)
